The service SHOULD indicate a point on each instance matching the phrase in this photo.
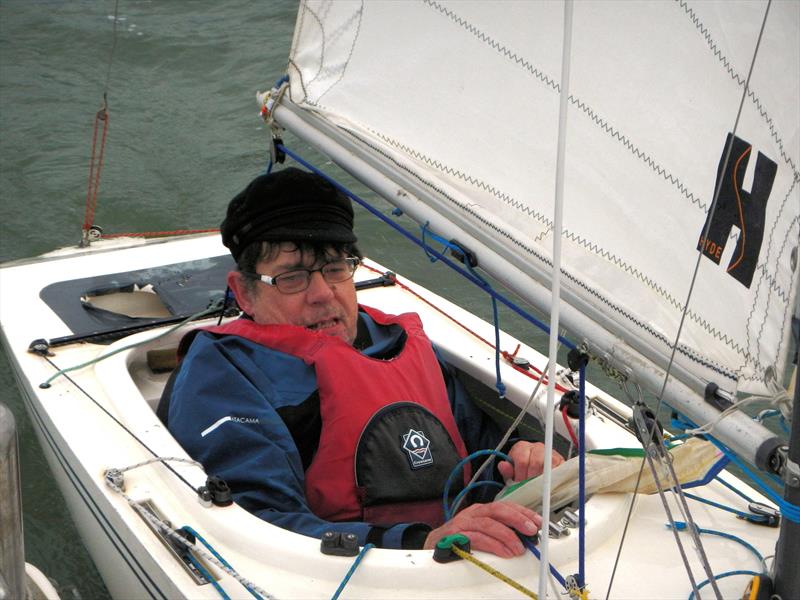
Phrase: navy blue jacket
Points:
(250, 415)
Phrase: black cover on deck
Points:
(184, 288)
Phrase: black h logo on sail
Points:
(737, 207)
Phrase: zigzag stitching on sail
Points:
(637, 274)
(687, 352)
(599, 121)
(712, 45)
(581, 241)
(763, 271)
(779, 292)
(509, 200)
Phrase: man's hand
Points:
(528, 460)
(490, 527)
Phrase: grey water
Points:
(184, 136)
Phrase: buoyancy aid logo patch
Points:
(418, 448)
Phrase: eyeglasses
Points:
(298, 280)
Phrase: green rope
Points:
(208, 311)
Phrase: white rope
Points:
(502, 443)
(779, 399)
(174, 535)
(544, 565)
(161, 459)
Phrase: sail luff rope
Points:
(711, 212)
(547, 475)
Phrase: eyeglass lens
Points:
(335, 271)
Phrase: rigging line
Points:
(412, 238)
(558, 231)
(683, 506)
(650, 449)
(712, 210)
(722, 575)
(507, 355)
(351, 571)
(211, 549)
(167, 529)
(216, 306)
(118, 422)
(449, 511)
(96, 163)
(523, 411)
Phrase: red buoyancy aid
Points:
(389, 438)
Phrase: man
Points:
(323, 415)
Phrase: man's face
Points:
(329, 308)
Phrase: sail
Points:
(464, 96)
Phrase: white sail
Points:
(463, 97)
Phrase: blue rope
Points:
(754, 518)
(351, 570)
(682, 526)
(501, 388)
(784, 426)
(712, 473)
(457, 471)
(582, 478)
(481, 281)
(219, 557)
(722, 576)
(530, 546)
(471, 487)
(773, 413)
(408, 235)
(208, 576)
(425, 246)
(734, 489)
(788, 510)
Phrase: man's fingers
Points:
(528, 460)
(491, 527)
(483, 542)
(506, 469)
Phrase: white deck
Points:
(81, 442)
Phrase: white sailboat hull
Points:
(81, 442)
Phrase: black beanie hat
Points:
(287, 205)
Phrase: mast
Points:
(787, 575)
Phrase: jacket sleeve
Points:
(222, 412)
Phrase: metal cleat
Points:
(556, 530)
